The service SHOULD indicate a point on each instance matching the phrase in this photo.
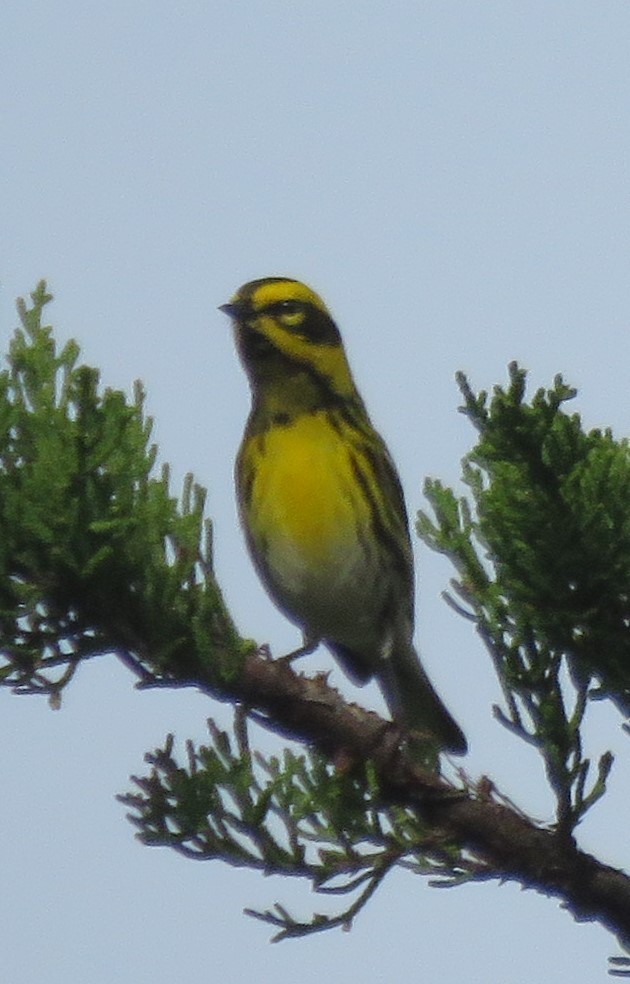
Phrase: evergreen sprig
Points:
(296, 815)
(542, 551)
(96, 554)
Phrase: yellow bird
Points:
(321, 503)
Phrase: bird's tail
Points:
(412, 700)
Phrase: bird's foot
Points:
(308, 646)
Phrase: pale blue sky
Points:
(453, 177)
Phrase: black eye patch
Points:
(316, 325)
(285, 307)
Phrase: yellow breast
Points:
(305, 498)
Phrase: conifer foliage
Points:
(99, 558)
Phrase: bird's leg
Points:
(309, 645)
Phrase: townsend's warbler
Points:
(321, 502)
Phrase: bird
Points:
(321, 503)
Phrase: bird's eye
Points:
(288, 307)
(289, 313)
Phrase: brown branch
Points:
(514, 848)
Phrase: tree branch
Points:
(309, 710)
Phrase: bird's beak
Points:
(230, 309)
